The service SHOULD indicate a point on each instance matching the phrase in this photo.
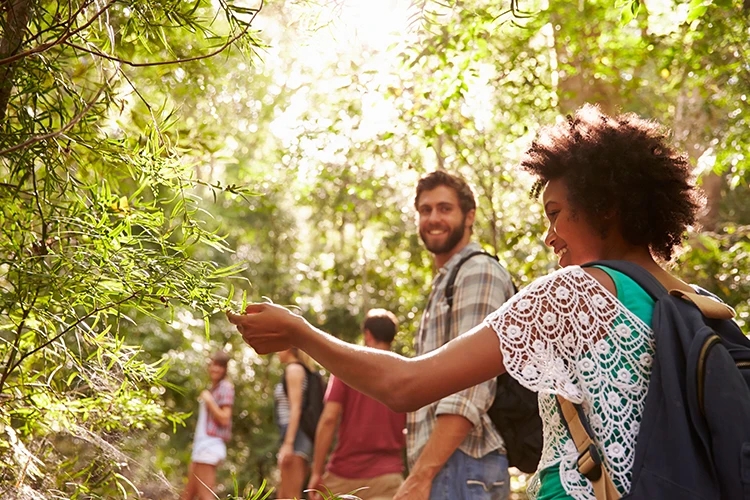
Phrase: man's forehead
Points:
(441, 194)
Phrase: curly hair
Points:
(622, 166)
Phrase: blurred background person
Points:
(213, 431)
(296, 448)
(370, 439)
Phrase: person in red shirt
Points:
(370, 440)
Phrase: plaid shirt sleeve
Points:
(481, 287)
(224, 396)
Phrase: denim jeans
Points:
(466, 478)
(303, 445)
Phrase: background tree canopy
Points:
(163, 161)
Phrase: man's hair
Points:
(382, 324)
(621, 166)
(442, 178)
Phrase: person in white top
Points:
(613, 189)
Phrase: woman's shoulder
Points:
(603, 277)
(225, 383)
(565, 275)
(574, 275)
(570, 286)
(295, 370)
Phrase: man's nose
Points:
(434, 216)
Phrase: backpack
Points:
(312, 401)
(694, 437)
(515, 409)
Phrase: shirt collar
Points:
(472, 246)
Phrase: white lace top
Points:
(566, 334)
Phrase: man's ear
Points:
(368, 337)
(470, 215)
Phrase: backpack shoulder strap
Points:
(711, 308)
(307, 376)
(589, 459)
(708, 305)
(450, 284)
(637, 273)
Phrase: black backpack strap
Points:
(635, 272)
(450, 284)
(305, 397)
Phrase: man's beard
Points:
(454, 237)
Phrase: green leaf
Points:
(697, 9)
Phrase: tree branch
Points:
(67, 22)
(67, 34)
(174, 61)
(9, 369)
(57, 133)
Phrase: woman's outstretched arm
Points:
(402, 384)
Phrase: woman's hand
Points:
(206, 396)
(285, 452)
(268, 328)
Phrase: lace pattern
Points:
(566, 334)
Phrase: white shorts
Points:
(209, 450)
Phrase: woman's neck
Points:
(642, 257)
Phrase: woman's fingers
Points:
(262, 326)
(255, 308)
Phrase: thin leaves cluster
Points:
(97, 226)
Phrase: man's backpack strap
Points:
(589, 458)
(450, 284)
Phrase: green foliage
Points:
(126, 229)
(250, 493)
(98, 223)
(334, 231)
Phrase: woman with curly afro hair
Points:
(612, 189)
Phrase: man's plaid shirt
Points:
(481, 287)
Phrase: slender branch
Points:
(10, 365)
(41, 214)
(174, 61)
(57, 133)
(69, 328)
(14, 350)
(146, 103)
(66, 34)
(67, 22)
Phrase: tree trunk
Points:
(691, 119)
(574, 90)
(14, 25)
(712, 184)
